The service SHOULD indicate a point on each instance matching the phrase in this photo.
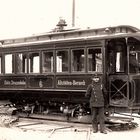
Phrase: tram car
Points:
(49, 73)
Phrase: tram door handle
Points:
(132, 92)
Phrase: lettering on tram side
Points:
(12, 82)
(71, 83)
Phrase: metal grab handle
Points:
(133, 85)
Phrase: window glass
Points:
(94, 60)
(62, 61)
(9, 63)
(34, 66)
(117, 56)
(48, 62)
(119, 62)
(134, 61)
(134, 55)
(78, 58)
(21, 60)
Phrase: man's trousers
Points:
(98, 117)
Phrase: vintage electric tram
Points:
(49, 73)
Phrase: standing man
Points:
(95, 93)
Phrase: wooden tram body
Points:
(54, 69)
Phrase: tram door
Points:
(134, 70)
(117, 72)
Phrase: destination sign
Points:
(10, 82)
(71, 83)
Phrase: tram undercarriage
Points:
(52, 105)
(59, 110)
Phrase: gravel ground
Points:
(14, 133)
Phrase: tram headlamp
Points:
(108, 30)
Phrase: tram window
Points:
(62, 61)
(117, 55)
(94, 60)
(119, 62)
(78, 59)
(134, 62)
(47, 62)
(134, 55)
(21, 60)
(34, 66)
(116, 61)
(9, 66)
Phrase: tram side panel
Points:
(57, 88)
(135, 91)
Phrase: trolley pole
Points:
(73, 13)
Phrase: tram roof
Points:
(73, 34)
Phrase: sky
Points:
(26, 17)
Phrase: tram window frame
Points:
(9, 64)
(134, 55)
(75, 65)
(134, 62)
(51, 62)
(31, 68)
(117, 56)
(24, 67)
(90, 65)
(64, 68)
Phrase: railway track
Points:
(52, 128)
(62, 129)
(40, 122)
(45, 129)
(48, 125)
(114, 124)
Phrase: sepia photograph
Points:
(69, 69)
